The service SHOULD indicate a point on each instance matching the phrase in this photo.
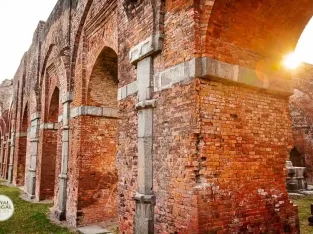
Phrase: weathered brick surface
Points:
(219, 149)
(6, 91)
(302, 118)
(176, 126)
(127, 159)
(245, 136)
(47, 171)
(97, 182)
(21, 143)
(248, 33)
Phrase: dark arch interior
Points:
(297, 158)
(54, 106)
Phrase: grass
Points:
(28, 218)
(304, 213)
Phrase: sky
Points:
(19, 19)
(304, 50)
(18, 22)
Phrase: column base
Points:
(144, 214)
(10, 174)
(60, 215)
(29, 196)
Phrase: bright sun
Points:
(303, 50)
(292, 61)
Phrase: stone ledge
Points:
(93, 229)
(143, 198)
(35, 116)
(151, 45)
(242, 75)
(127, 90)
(21, 134)
(68, 97)
(49, 126)
(93, 111)
(182, 72)
(209, 68)
(146, 104)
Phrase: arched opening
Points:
(22, 145)
(255, 34)
(251, 37)
(97, 193)
(7, 151)
(297, 158)
(102, 88)
(49, 149)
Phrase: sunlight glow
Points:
(303, 51)
(292, 61)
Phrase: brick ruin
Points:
(163, 116)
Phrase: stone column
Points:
(145, 199)
(61, 209)
(34, 140)
(10, 173)
(1, 154)
(6, 152)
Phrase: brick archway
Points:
(47, 170)
(21, 148)
(248, 33)
(96, 140)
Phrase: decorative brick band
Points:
(94, 111)
(209, 68)
(127, 90)
(49, 126)
(146, 48)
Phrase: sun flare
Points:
(292, 61)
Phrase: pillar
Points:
(1, 155)
(144, 197)
(34, 140)
(5, 160)
(11, 160)
(61, 206)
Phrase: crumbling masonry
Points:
(163, 116)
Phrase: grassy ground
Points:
(28, 218)
(304, 213)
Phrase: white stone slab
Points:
(94, 229)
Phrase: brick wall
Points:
(302, 118)
(97, 182)
(250, 33)
(245, 136)
(175, 130)
(211, 139)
